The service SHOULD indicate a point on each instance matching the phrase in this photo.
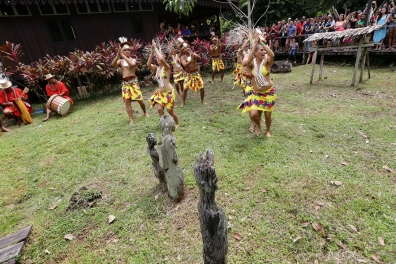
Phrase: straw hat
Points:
(48, 76)
(4, 84)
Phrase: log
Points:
(211, 217)
(281, 67)
(159, 172)
(169, 160)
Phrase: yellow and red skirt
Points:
(217, 64)
(193, 81)
(178, 76)
(261, 101)
(164, 98)
(238, 68)
(131, 90)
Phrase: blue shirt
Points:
(291, 30)
(186, 32)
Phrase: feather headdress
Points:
(124, 43)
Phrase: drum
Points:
(59, 104)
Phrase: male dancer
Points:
(192, 78)
(130, 85)
(217, 62)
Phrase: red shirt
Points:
(58, 88)
(9, 96)
(300, 28)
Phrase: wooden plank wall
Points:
(90, 29)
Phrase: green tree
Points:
(180, 7)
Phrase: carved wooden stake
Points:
(159, 172)
(212, 218)
(169, 160)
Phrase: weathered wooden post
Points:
(169, 161)
(159, 172)
(212, 218)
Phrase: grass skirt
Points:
(193, 81)
(261, 101)
(131, 90)
(165, 98)
(217, 64)
(178, 76)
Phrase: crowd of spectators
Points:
(281, 34)
(194, 29)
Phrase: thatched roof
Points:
(348, 33)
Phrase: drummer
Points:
(8, 94)
(55, 87)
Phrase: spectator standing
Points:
(293, 50)
(392, 28)
(380, 34)
(308, 29)
(291, 33)
(300, 33)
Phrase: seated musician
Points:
(8, 94)
(55, 87)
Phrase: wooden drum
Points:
(59, 104)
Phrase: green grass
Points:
(266, 186)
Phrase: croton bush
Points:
(93, 69)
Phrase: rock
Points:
(281, 67)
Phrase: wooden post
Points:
(321, 64)
(169, 161)
(365, 50)
(359, 54)
(211, 217)
(313, 64)
(159, 172)
(368, 64)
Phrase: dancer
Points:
(243, 79)
(8, 95)
(165, 95)
(263, 97)
(130, 85)
(238, 67)
(217, 62)
(178, 76)
(55, 87)
(192, 78)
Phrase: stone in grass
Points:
(69, 237)
(111, 218)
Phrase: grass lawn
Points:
(269, 188)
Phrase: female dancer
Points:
(165, 95)
(178, 76)
(263, 97)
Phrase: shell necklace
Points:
(258, 75)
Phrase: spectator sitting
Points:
(193, 33)
(178, 30)
(186, 32)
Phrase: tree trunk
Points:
(212, 218)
